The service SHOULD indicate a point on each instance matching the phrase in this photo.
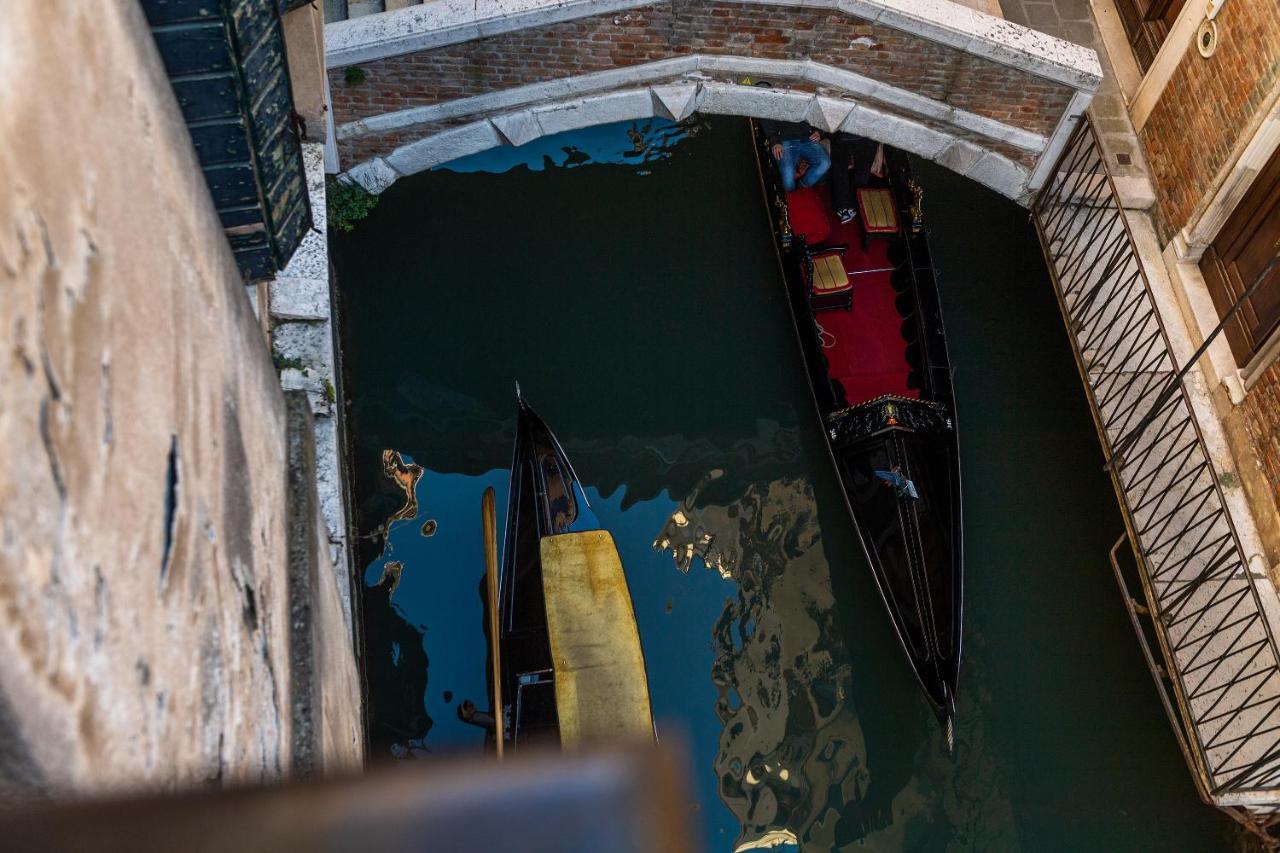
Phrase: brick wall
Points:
(672, 29)
(1207, 104)
(1261, 410)
(1195, 130)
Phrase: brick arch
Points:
(985, 98)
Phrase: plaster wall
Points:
(144, 594)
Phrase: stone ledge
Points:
(324, 690)
(302, 316)
(310, 344)
(293, 379)
(299, 299)
(989, 168)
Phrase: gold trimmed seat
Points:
(878, 212)
(829, 284)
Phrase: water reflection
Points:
(792, 756)
(792, 764)
(640, 143)
(423, 610)
(686, 415)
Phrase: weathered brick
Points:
(1196, 125)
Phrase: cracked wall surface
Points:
(144, 614)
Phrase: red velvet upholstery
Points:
(807, 213)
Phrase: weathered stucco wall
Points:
(144, 607)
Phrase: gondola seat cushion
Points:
(877, 211)
(807, 215)
(829, 276)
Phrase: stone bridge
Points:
(984, 97)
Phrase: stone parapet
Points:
(324, 685)
(301, 318)
(145, 626)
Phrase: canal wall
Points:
(989, 99)
(168, 613)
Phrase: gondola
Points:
(865, 303)
(567, 666)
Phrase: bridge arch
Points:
(985, 98)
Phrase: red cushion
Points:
(808, 215)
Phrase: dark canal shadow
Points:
(640, 308)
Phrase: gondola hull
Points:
(895, 449)
(545, 499)
(568, 667)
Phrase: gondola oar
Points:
(489, 523)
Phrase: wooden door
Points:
(1147, 23)
(1246, 244)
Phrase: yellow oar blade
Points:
(489, 523)
(602, 692)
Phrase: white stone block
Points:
(1000, 174)
(620, 106)
(299, 299)
(1134, 191)
(896, 131)
(630, 75)
(518, 128)
(675, 102)
(775, 104)
(829, 113)
(309, 343)
(839, 78)
(960, 156)
(772, 70)
(443, 147)
(310, 382)
(374, 175)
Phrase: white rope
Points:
(824, 336)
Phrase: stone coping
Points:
(437, 23)
(678, 101)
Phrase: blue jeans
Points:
(794, 150)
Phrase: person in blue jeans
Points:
(791, 142)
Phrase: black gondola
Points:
(567, 665)
(865, 304)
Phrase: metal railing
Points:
(1220, 655)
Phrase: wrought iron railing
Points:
(1207, 611)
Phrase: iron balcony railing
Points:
(1220, 654)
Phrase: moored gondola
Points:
(865, 303)
(567, 665)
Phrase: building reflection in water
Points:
(792, 763)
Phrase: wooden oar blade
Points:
(489, 525)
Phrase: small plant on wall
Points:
(347, 204)
(354, 75)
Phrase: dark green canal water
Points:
(638, 303)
